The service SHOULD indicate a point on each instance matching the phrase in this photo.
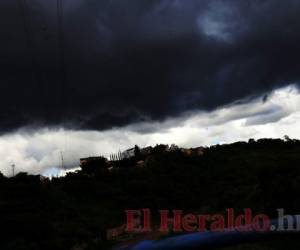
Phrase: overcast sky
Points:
(143, 72)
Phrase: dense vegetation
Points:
(78, 209)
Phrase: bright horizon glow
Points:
(39, 151)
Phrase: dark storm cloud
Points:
(128, 61)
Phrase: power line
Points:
(13, 166)
(61, 66)
(62, 160)
(36, 69)
(25, 12)
(61, 52)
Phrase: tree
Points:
(137, 151)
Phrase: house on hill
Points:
(146, 150)
(193, 151)
(90, 160)
(129, 152)
(91, 165)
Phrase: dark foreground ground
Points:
(75, 212)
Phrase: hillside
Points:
(78, 209)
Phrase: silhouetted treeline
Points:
(76, 210)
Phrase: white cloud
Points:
(39, 151)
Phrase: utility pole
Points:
(13, 169)
(62, 160)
